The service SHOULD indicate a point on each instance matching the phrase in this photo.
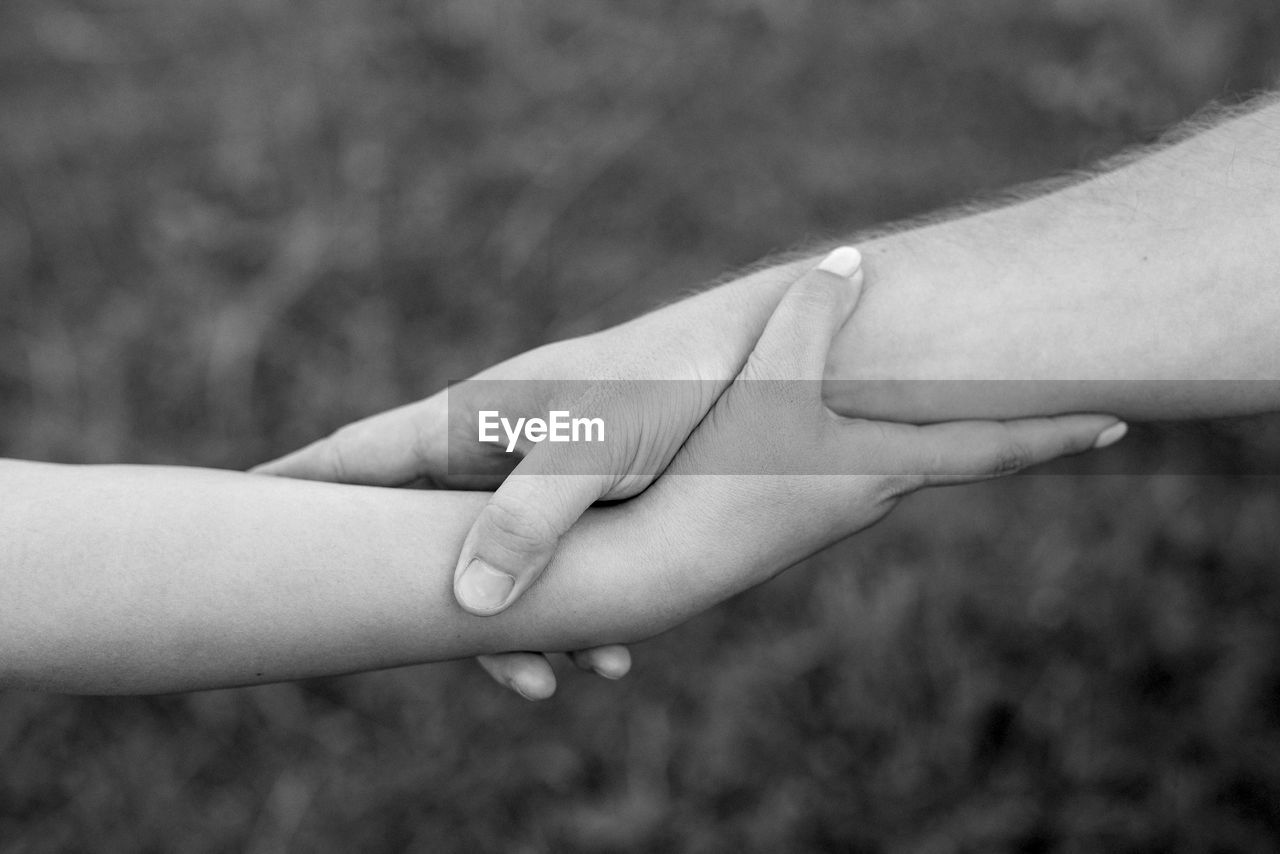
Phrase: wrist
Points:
(977, 318)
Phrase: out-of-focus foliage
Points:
(228, 226)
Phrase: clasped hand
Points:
(757, 473)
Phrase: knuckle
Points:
(519, 524)
(816, 296)
(1010, 459)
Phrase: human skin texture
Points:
(1148, 291)
(119, 579)
(1151, 291)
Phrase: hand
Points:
(743, 500)
(703, 340)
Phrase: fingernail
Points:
(844, 261)
(534, 690)
(519, 689)
(1111, 435)
(482, 587)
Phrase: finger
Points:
(388, 449)
(529, 674)
(797, 339)
(516, 534)
(965, 451)
(611, 662)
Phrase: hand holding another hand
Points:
(772, 476)
(687, 353)
(789, 477)
(769, 477)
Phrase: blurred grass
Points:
(228, 227)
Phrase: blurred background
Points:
(229, 226)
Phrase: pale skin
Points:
(121, 579)
(1151, 291)
(131, 580)
(1160, 279)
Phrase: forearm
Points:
(140, 580)
(1143, 292)
(1152, 291)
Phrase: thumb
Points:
(514, 537)
(797, 339)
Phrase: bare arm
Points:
(1150, 291)
(137, 579)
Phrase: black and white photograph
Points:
(708, 426)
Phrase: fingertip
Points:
(846, 262)
(797, 339)
(483, 590)
(609, 662)
(515, 536)
(613, 662)
(534, 683)
(529, 674)
(1111, 435)
(843, 261)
